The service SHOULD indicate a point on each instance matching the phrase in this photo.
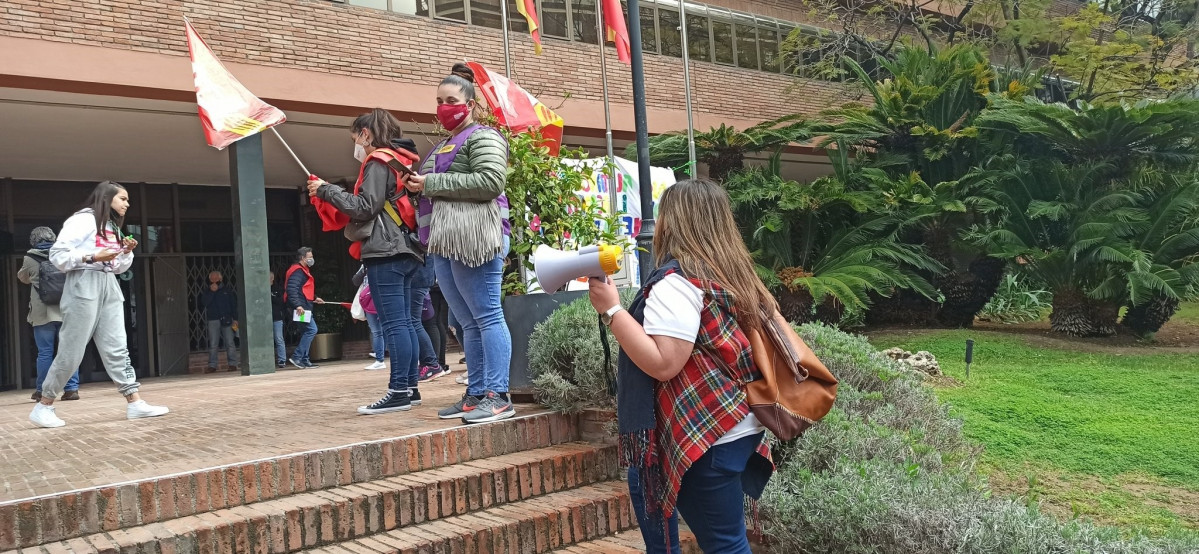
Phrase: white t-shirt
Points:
(673, 310)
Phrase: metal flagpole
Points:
(600, 28)
(687, 89)
(507, 54)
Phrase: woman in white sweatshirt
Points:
(92, 251)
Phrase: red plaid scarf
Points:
(704, 401)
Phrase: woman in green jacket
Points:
(467, 229)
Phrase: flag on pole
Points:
(528, 8)
(228, 111)
(618, 31)
(516, 109)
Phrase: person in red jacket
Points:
(300, 294)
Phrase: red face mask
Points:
(452, 115)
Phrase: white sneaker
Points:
(377, 365)
(140, 409)
(462, 380)
(370, 355)
(44, 416)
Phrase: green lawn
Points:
(1102, 435)
(1188, 313)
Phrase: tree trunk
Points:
(901, 308)
(1076, 314)
(724, 164)
(967, 293)
(1147, 319)
(797, 306)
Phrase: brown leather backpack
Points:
(795, 389)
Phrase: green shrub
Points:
(1017, 301)
(888, 471)
(566, 358)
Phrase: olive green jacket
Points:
(467, 221)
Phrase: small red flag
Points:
(516, 109)
(228, 111)
(617, 30)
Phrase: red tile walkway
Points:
(214, 420)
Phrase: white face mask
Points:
(359, 152)
(310, 261)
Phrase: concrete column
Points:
(252, 256)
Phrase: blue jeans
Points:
(652, 531)
(377, 344)
(45, 336)
(421, 283)
(391, 288)
(711, 501)
(280, 346)
(473, 294)
(301, 352)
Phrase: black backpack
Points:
(50, 281)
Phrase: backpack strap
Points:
(399, 206)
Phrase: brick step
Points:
(534, 526)
(201, 493)
(629, 542)
(344, 513)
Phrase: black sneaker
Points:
(393, 401)
(494, 407)
(310, 365)
(414, 396)
(280, 364)
(463, 407)
(297, 363)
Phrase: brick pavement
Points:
(215, 420)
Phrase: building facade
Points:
(103, 90)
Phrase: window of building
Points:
(516, 22)
(669, 37)
(722, 41)
(789, 60)
(410, 7)
(486, 13)
(453, 10)
(768, 48)
(649, 29)
(377, 4)
(553, 18)
(747, 44)
(699, 41)
(583, 21)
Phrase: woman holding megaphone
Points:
(685, 426)
(463, 217)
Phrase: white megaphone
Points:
(554, 268)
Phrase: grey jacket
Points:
(39, 312)
(387, 239)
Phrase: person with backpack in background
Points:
(220, 306)
(300, 295)
(378, 344)
(46, 283)
(92, 251)
(383, 226)
(464, 220)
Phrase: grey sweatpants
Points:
(93, 308)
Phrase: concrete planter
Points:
(326, 346)
(522, 313)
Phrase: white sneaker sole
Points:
(453, 416)
(373, 368)
(367, 411)
(48, 424)
(144, 415)
(495, 417)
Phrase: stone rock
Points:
(921, 361)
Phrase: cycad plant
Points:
(1066, 228)
(920, 130)
(813, 251)
(1161, 261)
(724, 148)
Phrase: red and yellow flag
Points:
(516, 109)
(618, 31)
(228, 111)
(528, 8)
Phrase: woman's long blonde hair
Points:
(695, 226)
